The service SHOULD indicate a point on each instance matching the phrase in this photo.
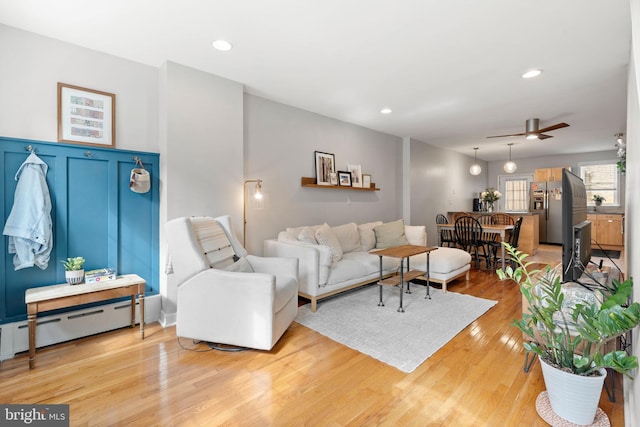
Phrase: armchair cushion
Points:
(242, 265)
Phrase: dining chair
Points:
(468, 234)
(447, 237)
(512, 239)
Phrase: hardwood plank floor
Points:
(307, 379)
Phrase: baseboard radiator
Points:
(14, 337)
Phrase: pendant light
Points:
(475, 168)
(510, 166)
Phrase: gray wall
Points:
(527, 166)
(280, 142)
(441, 182)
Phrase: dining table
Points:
(499, 229)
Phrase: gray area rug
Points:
(402, 340)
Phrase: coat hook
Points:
(88, 154)
(30, 149)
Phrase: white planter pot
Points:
(74, 277)
(573, 397)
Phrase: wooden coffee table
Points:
(402, 252)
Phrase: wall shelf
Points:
(311, 182)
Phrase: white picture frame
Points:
(356, 174)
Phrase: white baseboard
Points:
(14, 337)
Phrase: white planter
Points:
(74, 277)
(573, 397)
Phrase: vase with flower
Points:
(490, 196)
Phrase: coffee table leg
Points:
(400, 309)
(428, 296)
(380, 304)
(409, 282)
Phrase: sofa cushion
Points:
(325, 236)
(242, 266)
(297, 230)
(367, 235)
(442, 260)
(372, 262)
(348, 236)
(308, 235)
(416, 234)
(346, 269)
(390, 234)
(285, 236)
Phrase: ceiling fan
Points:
(533, 130)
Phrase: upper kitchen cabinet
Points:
(548, 174)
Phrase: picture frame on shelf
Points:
(333, 178)
(325, 166)
(366, 180)
(86, 116)
(356, 174)
(344, 178)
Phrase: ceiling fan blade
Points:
(501, 136)
(542, 136)
(553, 127)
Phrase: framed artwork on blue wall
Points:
(86, 116)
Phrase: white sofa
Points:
(335, 259)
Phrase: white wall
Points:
(441, 182)
(632, 213)
(32, 66)
(201, 152)
(280, 143)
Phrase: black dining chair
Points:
(447, 237)
(469, 237)
(511, 238)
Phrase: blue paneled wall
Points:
(94, 215)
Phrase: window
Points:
(602, 179)
(515, 190)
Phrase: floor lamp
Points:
(257, 195)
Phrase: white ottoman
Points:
(445, 265)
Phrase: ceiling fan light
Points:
(532, 136)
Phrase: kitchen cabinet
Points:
(548, 174)
(607, 231)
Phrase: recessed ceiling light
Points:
(222, 45)
(532, 73)
(386, 111)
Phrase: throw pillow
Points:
(326, 236)
(308, 235)
(348, 237)
(241, 266)
(390, 234)
(367, 236)
(415, 234)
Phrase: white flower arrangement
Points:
(490, 195)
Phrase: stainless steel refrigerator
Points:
(546, 201)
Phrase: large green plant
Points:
(576, 346)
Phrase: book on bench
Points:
(99, 275)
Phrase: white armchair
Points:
(247, 309)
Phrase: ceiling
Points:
(449, 70)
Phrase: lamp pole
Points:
(257, 195)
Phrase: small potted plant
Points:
(568, 328)
(74, 270)
(598, 199)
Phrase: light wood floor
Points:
(307, 379)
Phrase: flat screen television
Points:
(576, 230)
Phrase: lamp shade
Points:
(475, 168)
(510, 166)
